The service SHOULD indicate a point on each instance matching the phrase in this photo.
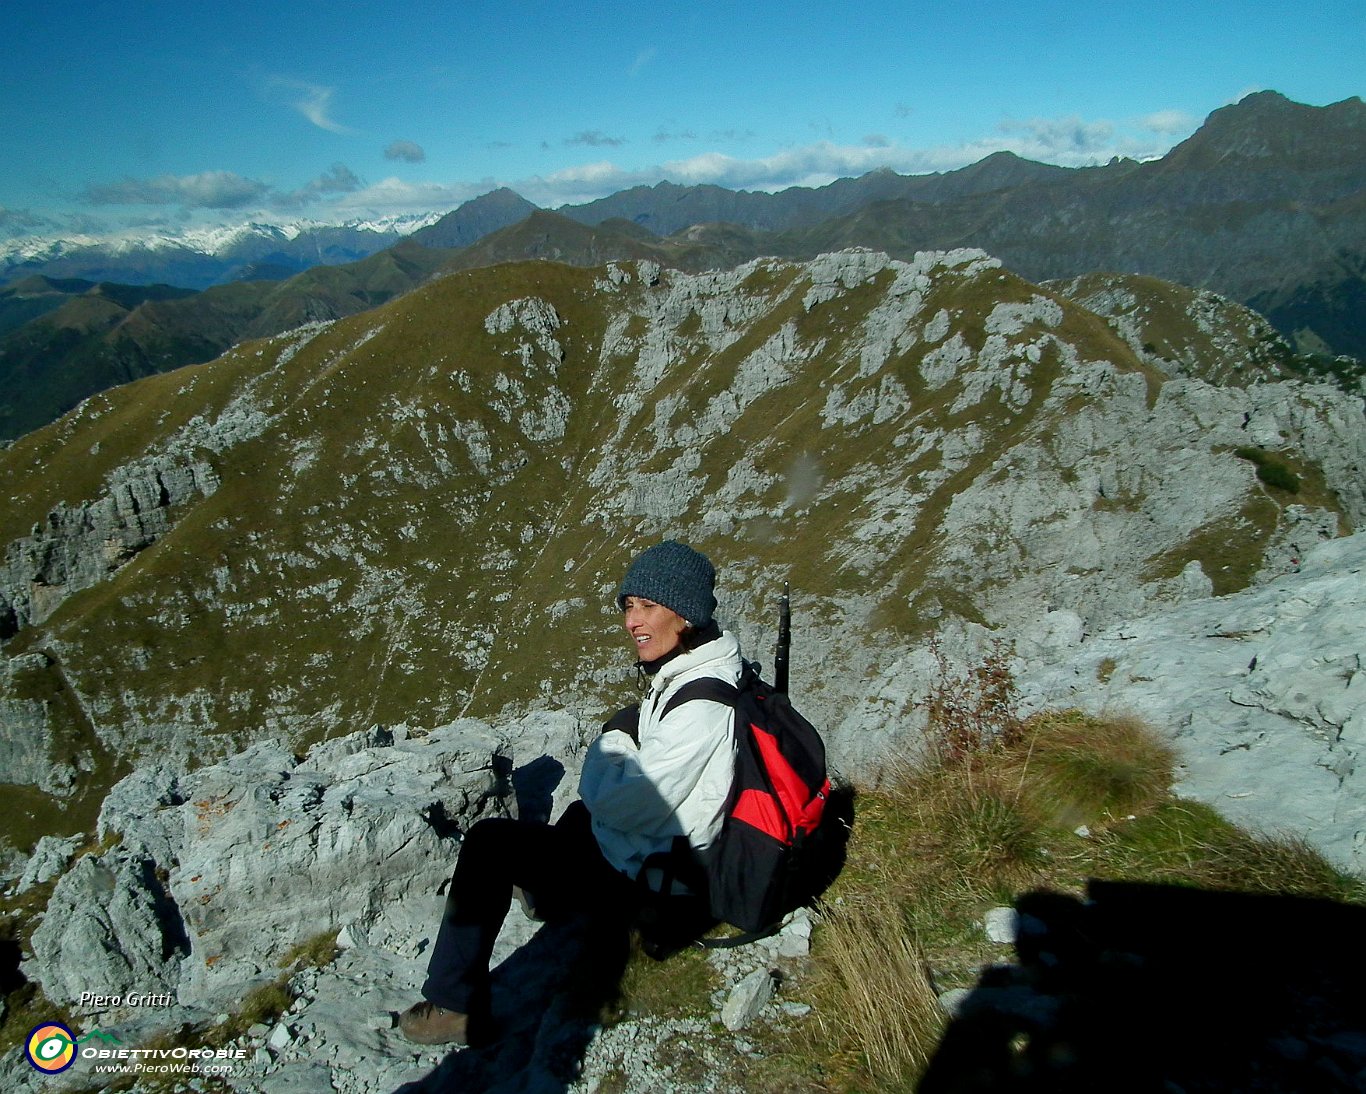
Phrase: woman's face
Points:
(654, 629)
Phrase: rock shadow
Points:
(534, 787)
(1162, 988)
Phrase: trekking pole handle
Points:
(780, 673)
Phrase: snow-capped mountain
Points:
(198, 257)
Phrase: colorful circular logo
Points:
(51, 1047)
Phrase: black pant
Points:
(559, 866)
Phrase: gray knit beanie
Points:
(676, 576)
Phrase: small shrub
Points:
(967, 715)
(1279, 476)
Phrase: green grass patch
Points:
(311, 953)
(1188, 843)
(1229, 550)
(263, 1005)
(1076, 768)
(678, 987)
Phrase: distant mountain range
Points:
(1265, 203)
(206, 257)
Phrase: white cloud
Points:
(17, 222)
(221, 191)
(1067, 142)
(207, 190)
(643, 58)
(594, 138)
(1169, 123)
(313, 101)
(393, 196)
(1062, 137)
(339, 180)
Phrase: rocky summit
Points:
(279, 627)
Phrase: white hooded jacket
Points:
(678, 780)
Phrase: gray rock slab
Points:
(50, 857)
(1001, 925)
(1261, 693)
(747, 999)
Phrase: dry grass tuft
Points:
(968, 827)
(1079, 769)
(312, 953)
(887, 1008)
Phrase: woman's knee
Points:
(489, 841)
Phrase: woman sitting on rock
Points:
(670, 777)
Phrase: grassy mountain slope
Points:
(1185, 332)
(422, 511)
(60, 341)
(557, 238)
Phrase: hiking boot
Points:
(425, 1023)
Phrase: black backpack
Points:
(759, 868)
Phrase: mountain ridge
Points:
(1283, 231)
(421, 475)
(794, 206)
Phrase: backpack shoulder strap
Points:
(708, 687)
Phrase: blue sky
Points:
(156, 116)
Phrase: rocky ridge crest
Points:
(418, 518)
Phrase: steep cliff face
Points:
(76, 548)
(422, 512)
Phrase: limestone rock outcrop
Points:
(79, 546)
(213, 876)
(1263, 693)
